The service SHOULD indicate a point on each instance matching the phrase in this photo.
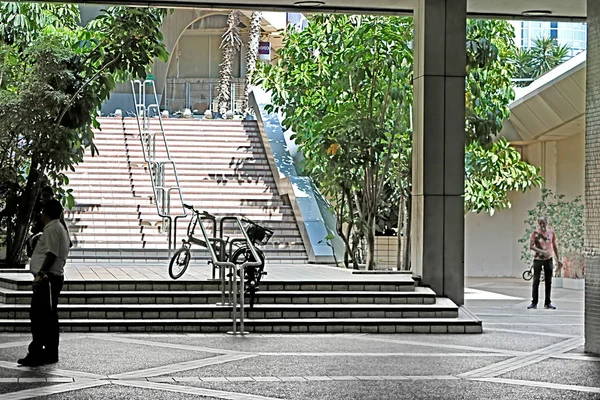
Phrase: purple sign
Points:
(264, 51)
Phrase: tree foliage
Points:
(490, 174)
(51, 89)
(490, 45)
(344, 85)
(545, 55)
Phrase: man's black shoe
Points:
(50, 360)
(30, 361)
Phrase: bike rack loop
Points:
(233, 268)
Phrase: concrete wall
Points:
(491, 243)
(199, 56)
(571, 159)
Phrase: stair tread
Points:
(257, 307)
(266, 321)
(191, 293)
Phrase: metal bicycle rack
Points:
(229, 287)
(146, 115)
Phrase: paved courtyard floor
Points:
(522, 354)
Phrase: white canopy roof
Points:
(552, 107)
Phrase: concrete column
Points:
(437, 240)
(592, 182)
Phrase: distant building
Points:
(573, 34)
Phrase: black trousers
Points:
(44, 317)
(537, 271)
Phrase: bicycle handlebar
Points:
(203, 213)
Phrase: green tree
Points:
(51, 91)
(490, 174)
(344, 85)
(489, 91)
(492, 170)
(545, 55)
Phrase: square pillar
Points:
(437, 238)
(592, 181)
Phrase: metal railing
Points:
(229, 288)
(200, 94)
(147, 116)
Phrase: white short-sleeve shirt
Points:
(55, 240)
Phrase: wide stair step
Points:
(318, 306)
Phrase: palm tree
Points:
(546, 54)
(251, 56)
(230, 44)
(522, 63)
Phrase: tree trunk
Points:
(370, 237)
(344, 235)
(348, 234)
(230, 44)
(399, 257)
(25, 211)
(254, 32)
(406, 253)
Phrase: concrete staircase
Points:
(373, 306)
(222, 169)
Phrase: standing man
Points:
(543, 242)
(47, 265)
(46, 194)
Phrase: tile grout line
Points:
(439, 345)
(545, 385)
(183, 366)
(522, 361)
(122, 339)
(220, 394)
(53, 389)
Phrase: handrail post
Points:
(242, 297)
(235, 308)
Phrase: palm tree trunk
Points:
(251, 57)
(230, 44)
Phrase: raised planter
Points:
(574, 284)
(557, 282)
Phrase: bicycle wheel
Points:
(179, 262)
(252, 274)
(242, 255)
(527, 275)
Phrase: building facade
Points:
(573, 34)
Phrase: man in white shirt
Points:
(47, 265)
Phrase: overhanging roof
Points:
(552, 107)
(513, 9)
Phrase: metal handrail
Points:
(232, 267)
(148, 140)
